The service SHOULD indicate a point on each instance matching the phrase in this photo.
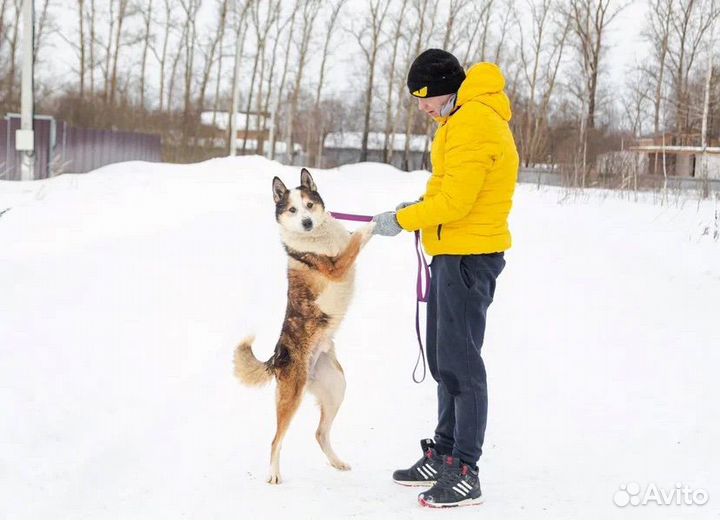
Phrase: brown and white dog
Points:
(321, 272)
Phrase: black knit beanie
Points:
(435, 73)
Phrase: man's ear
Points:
(307, 180)
(279, 189)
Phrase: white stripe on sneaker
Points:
(465, 485)
(428, 466)
(460, 490)
(423, 472)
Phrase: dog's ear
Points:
(307, 180)
(279, 189)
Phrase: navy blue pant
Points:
(461, 290)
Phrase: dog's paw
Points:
(274, 478)
(342, 466)
(366, 232)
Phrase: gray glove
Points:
(404, 205)
(386, 224)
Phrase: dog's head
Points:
(301, 209)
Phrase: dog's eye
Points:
(309, 205)
(292, 210)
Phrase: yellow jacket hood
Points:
(484, 83)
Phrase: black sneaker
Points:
(425, 471)
(457, 485)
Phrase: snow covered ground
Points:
(123, 293)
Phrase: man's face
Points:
(432, 105)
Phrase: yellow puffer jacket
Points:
(474, 170)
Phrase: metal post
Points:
(24, 138)
(235, 93)
(269, 153)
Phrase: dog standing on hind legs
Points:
(321, 271)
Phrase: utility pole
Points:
(706, 109)
(236, 89)
(706, 101)
(24, 137)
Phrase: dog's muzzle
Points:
(307, 224)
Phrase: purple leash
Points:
(350, 216)
(422, 293)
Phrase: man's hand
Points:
(386, 224)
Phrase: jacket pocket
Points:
(439, 230)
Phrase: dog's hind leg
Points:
(288, 396)
(328, 385)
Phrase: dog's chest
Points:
(335, 297)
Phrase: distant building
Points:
(344, 148)
(258, 122)
(680, 161)
(258, 132)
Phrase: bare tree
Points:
(540, 51)
(147, 12)
(191, 8)
(44, 26)
(221, 35)
(283, 78)
(368, 38)
(424, 11)
(262, 29)
(172, 77)
(318, 115)
(214, 46)
(657, 34)
(691, 23)
(12, 38)
(506, 20)
(487, 14)
(477, 24)
(635, 101)
(3, 6)
(310, 9)
(589, 20)
(108, 50)
(398, 22)
(91, 18)
(706, 97)
(161, 55)
(279, 29)
(241, 26)
(79, 46)
(117, 15)
(82, 45)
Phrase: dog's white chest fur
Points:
(330, 238)
(335, 298)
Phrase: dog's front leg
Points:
(336, 267)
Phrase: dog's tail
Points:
(249, 369)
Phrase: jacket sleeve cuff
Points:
(404, 218)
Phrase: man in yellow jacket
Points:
(463, 217)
